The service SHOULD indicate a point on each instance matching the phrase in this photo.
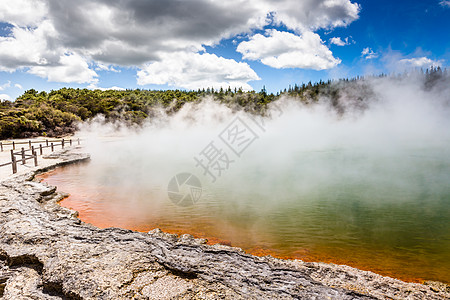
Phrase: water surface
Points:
(384, 212)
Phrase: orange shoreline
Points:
(302, 254)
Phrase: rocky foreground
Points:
(46, 252)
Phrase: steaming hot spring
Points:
(369, 188)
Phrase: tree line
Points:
(58, 112)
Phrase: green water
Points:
(388, 212)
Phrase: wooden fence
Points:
(22, 155)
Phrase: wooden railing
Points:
(22, 155)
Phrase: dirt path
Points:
(43, 160)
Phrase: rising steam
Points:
(362, 176)
(300, 144)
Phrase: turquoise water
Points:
(385, 211)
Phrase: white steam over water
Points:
(301, 147)
(370, 184)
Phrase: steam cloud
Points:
(370, 172)
(306, 145)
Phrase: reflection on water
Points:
(387, 213)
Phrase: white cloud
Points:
(18, 86)
(108, 33)
(37, 51)
(339, 42)
(71, 68)
(312, 14)
(5, 97)
(279, 49)
(5, 85)
(418, 62)
(22, 12)
(445, 3)
(134, 32)
(194, 70)
(368, 53)
(28, 47)
(105, 67)
(395, 61)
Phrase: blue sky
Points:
(168, 44)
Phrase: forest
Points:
(57, 113)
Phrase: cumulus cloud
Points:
(37, 51)
(23, 12)
(18, 86)
(194, 70)
(141, 33)
(368, 53)
(133, 32)
(313, 14)
(28, 47)
(279, 49)
(339, 42)
(71, 68)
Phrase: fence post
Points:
(40, 149)
(23, 156)
(29, 143)
(14, 163)
(1, 146)
(46, 142)
(14, 145)
(70, 142)
(78, 141)
(62, 143)
(35, 157)
(51, 146)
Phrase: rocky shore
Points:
(46, 252)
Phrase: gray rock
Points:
(47, 253)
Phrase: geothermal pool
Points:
(383, 211)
